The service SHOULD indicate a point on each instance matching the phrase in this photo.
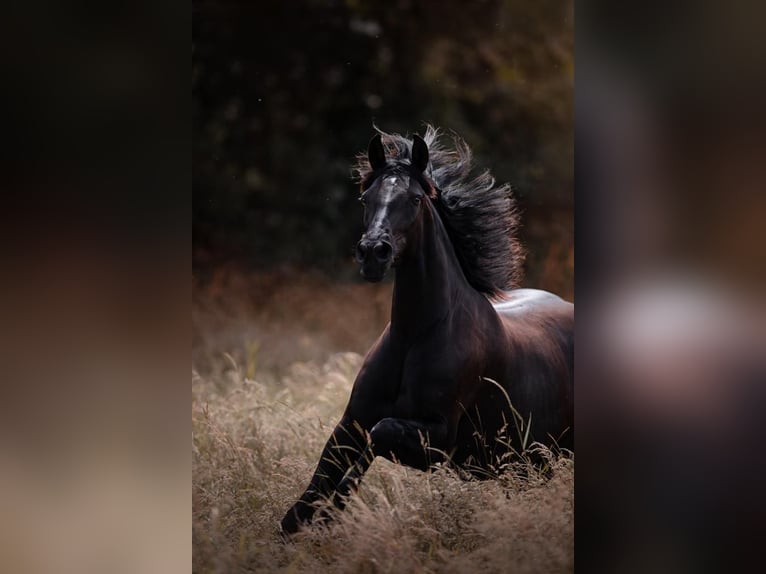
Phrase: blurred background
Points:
(284, 95)
(671, 324)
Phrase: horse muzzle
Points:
(375, 257)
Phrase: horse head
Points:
(392, 196)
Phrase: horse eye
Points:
(416, 200)
(362, 200)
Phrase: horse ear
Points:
(419, 153)
(375, 152)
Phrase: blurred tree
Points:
(285, 93)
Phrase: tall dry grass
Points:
(269, 320)
(256, 442)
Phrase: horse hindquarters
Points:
(529, 401)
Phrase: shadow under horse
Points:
(462, 361)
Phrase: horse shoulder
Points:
(451, 357)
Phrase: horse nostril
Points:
(361, 251)
(382, 250)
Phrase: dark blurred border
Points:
(95, 287)
(671, 200)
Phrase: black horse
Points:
(453, 378)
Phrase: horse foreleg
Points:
(413, 443)
(341, 453)
(398, 440)
(350, 481)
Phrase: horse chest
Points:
(402, 389)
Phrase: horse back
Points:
(533, 318)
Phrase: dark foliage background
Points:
(285, 93)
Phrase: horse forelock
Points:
(397, 168)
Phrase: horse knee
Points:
(301, 513)
(402, 441)
(387, 435)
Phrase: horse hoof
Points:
(286, 537)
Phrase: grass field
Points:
(270, 380)
(256, 444)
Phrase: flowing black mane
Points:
(481, 218)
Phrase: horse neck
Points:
(428, 279)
